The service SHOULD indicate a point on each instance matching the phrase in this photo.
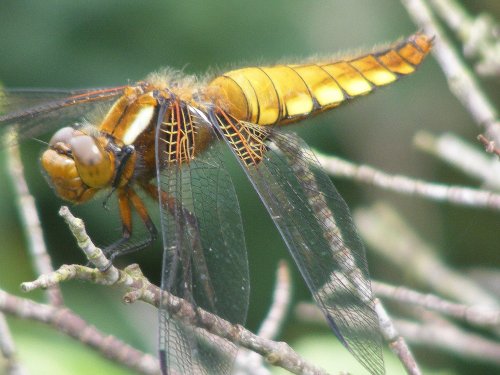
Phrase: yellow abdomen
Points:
(286, 93)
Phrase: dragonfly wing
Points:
(17, 99)
(204, 258)
(35, 112)
(316, 225)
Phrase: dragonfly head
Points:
(78, 164)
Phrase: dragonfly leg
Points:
(125, 214)
(128, 198)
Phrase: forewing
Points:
(316, 225)
(35, 111)
(204, 249)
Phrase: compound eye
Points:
(63, 135)
(85, 150)
(93, 163)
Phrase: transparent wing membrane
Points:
(204, 251)
(19, 100)
(34, 112)
(317, 227)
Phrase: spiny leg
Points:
(128, 198)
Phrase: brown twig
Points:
(69, 323)
(453, 194)
(478, 34)
(461, 155)
(29, 216)
(249, 362)
(450, 338)
(461, 81)
(311, 313)
(139, 288)
(62, 318)
(396, 342)
(476, 315)
(271, 325)
(431, 333)
(7, 348)
(388, 234)
(489, 146)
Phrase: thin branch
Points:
(388, 234)
(478, 34)
(69, 323)
(139, 288)
(92, 252)
(450, 338)
(460, 80)
(29, 216)
(439, 192)
(462, 155)
(489, 146)
(249, 362)
(396, 342)
(274, 319)
(435, 333)
(8, 350)
(311, 313)
(476, 315)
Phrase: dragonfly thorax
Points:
(122, 148)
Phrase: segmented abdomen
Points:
(286, 93)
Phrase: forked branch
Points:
(139, 288)
(71, 324)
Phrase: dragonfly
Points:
(164, 137)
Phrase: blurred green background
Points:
(68, 44)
